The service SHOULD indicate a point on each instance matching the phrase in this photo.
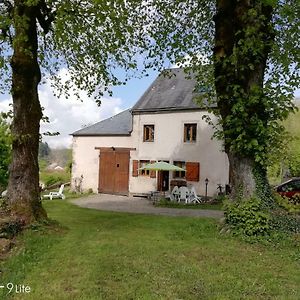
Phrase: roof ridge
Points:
(84, 129)
(173, 87)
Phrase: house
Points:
(164, 125)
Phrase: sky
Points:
(69, 115)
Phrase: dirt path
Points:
(140, 206)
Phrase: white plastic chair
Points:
(174, 196)
(184, 194)
(58, 194)
(194, 197)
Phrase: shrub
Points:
(219, 199)
(295, 199)
(5, 153)
(292, 205)
(51, 178)
(10, 227)
(247, 217)
(282, 221)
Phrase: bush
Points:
(295, 199)
(250, 220)
(282, 221)
(247, 217)
(218, 199)
(292, 205)
(55, 177)
(10, 227)
(5, 153)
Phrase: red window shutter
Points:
(152, 173)
(192, 171)
(135, 166)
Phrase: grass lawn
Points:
(104, 255)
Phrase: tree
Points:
(44, 150)
(244, 53)
(246, 58)
(5, 153)
(90, 39)
(251, 105)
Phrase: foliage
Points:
(247, 218)
(287, 163)
(186, 36)
(5, 152)
(252, 72)
(252, 221)
(10, 228)
(292, 205)
(90, 191)
(44, 150)
(292, 158)
(68, 167)
(284, 222)
(43, 164)
(50, 178)
(263, 188)
(295, 199)
(245, 52)
(72, 35)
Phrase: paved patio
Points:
(140, 206)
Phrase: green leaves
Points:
(247, 218)
(252, 78)
(5, 152)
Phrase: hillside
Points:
(60, 156)
(289, 167)
(292, 125)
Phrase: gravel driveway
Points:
(140, 206)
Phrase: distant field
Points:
(292, 124)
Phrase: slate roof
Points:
(171, 90)
(120, 124)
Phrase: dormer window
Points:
(148, 133)
(190, 133)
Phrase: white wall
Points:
(168, 145)
(86, 157)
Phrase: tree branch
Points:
(45, 16)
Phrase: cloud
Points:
(5, 105)
(69, 115)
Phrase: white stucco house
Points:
(164, 125)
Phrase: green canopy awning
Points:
(161, 166)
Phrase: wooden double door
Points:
(114, 171)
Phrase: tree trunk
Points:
(239, 75)
(23, 187)
(241, 177)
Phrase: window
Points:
(148, 133)
(144, 172)
(190, 132)
(179, 174)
